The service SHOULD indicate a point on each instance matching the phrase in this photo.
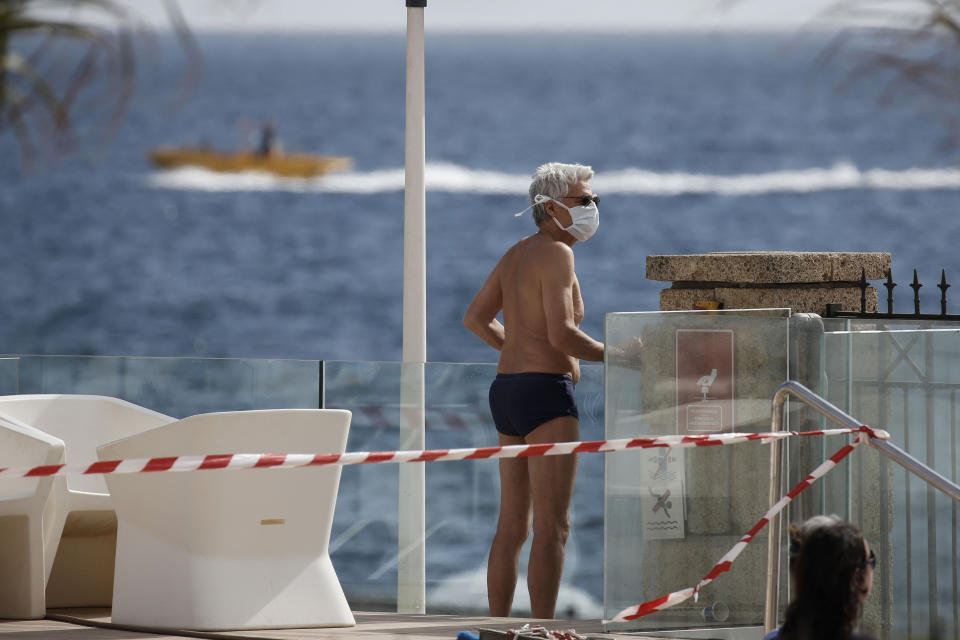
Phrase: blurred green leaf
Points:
(42, 82)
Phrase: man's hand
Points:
(628, 354)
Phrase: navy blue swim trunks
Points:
(521, 402)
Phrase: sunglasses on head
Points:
(584, 200)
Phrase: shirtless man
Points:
(531, 399)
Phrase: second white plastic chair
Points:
(229, 549)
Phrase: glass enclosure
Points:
(672, 513)
(894, 376)
(905, 380)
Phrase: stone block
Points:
(768, 267)
(798, 299)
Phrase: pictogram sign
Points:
(705, 382)
(663, 508)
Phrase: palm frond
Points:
(15, 117)
(99, 77)
(21, 72)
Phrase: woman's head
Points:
(833, 574)
(799, 532)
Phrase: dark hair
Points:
(799, 532)
(827, 604)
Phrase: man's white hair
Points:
(554, 179)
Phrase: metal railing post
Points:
(773, 543)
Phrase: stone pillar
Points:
(803, 281)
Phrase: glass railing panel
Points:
(583, 573)
(178, 386)
(462, 497)
(363, 542)
(670, 514)
(907, 382)
(9, 376)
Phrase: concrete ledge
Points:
(769, 267)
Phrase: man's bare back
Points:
(528, 272)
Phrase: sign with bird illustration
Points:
(705, 381)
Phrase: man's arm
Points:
(481, 315)
(557, 280)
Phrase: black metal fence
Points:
(836, 310)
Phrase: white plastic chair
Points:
(30, 523)
(230, 549)
(82, 572)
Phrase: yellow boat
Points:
(291, 165)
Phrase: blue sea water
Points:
(701, 143)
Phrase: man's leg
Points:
(551, 486)
(512, 528)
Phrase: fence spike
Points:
(943, 286)
(890, 284)
(915, 285)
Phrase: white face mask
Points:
(585, 219)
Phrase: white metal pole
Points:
(411, 518)
(414, 210)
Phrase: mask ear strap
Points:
(539, 198)
(517, 215)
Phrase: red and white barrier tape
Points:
(290, 460)
(667, 601)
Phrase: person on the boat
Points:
(832, 576)
(268, 140)
(532, 396)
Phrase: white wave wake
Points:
(457, 179)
